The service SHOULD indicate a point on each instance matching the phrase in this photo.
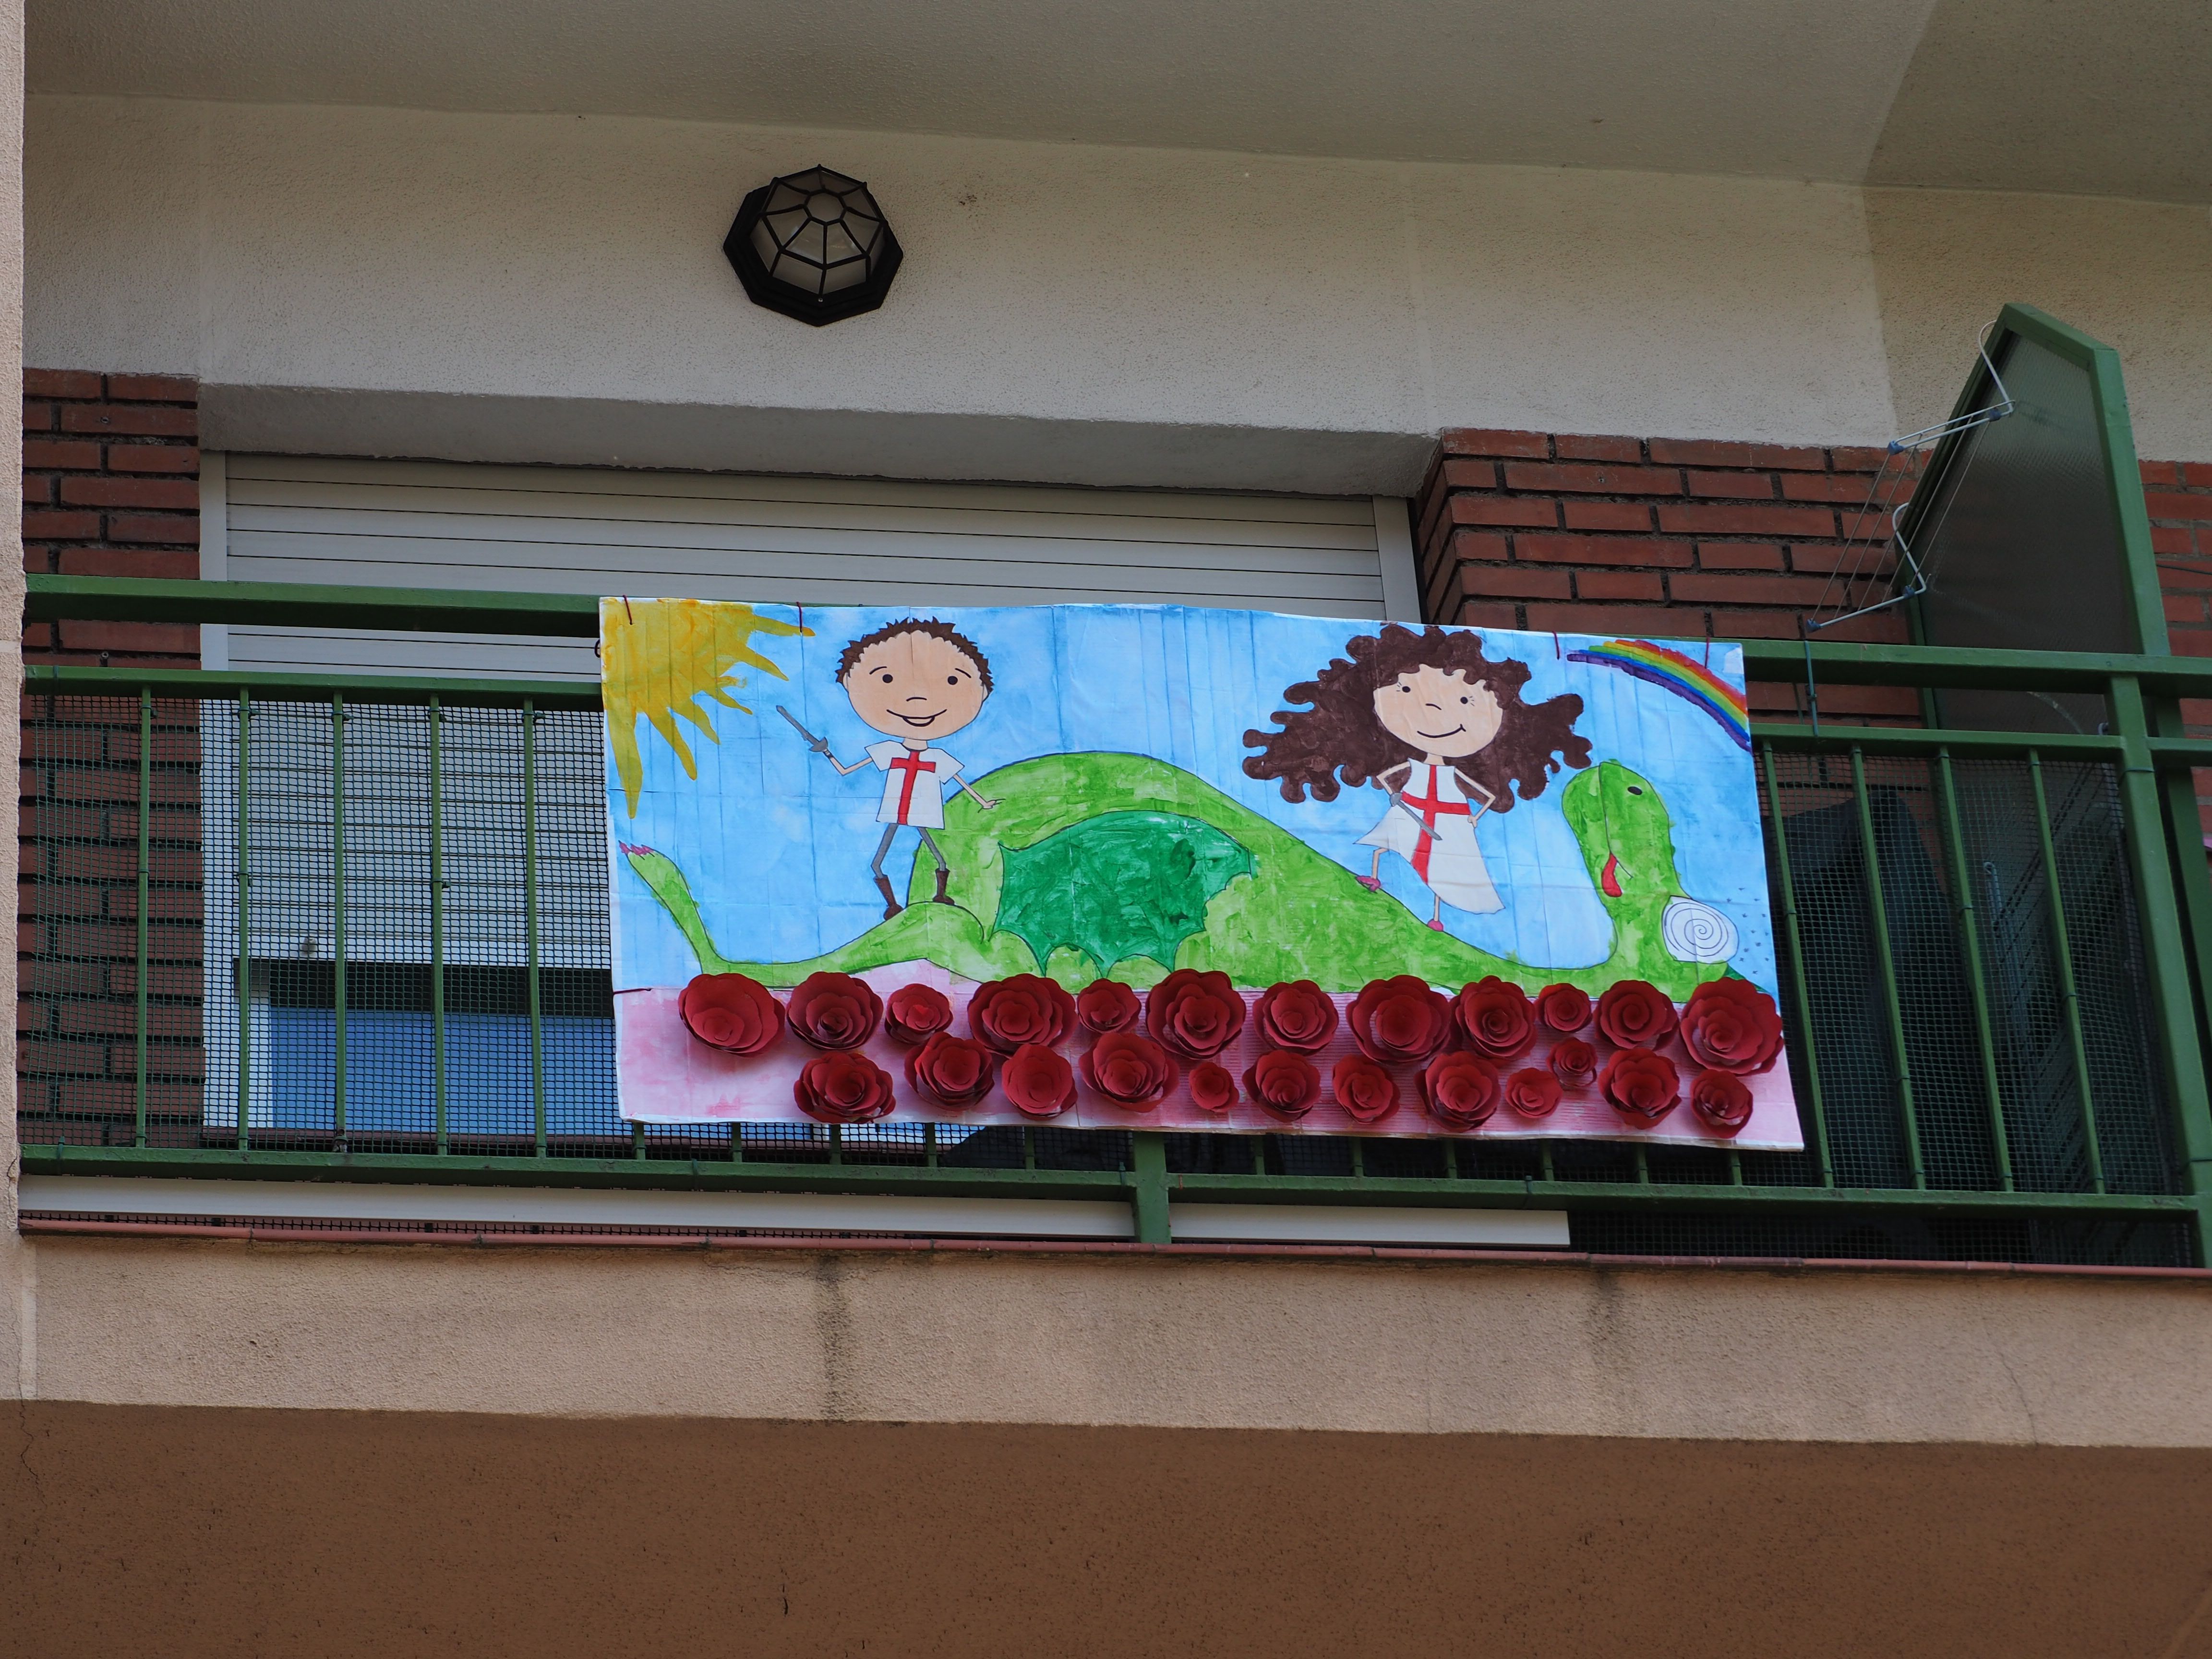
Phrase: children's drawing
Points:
(1201, 807)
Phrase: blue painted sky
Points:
(777, 846)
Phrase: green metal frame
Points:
(2141, 758)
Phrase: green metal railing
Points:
(1990, 944)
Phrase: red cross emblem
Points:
(1430, 805)
(913, 765)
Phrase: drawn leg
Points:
(892, 905)
(1372, 881)
(944, 870)
(1437, 915)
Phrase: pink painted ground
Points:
(668, 1076)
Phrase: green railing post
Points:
(437, 927)
(2172, 993)
(245, 929)
(338, 922)
(2062, 947)
(1878, 910)
(1970, 938)
(530, 923)
(145, 870)
(1793, 934)
(1149, 1171)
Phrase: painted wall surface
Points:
(1686, 1353)
(537, 288)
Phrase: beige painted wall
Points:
(1445, 1348)
(2136, 275)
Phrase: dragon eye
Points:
(1634, 790)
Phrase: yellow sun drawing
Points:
(658, 657)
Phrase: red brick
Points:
(1713, 520)
(1593, 480)
(1851, 488)
(1469, 545)
(1704, 587)
(165, 639)
(1472, 614)
(1620, 585)
(153, 458)
(63, 1059)
(1571, 449)
(176, 494)
(78, 454)
(137, 527)
(138, 419)
(61, 526)
(2172, 576)
(2185, 608)
(2197, 475)
(1649, 621)
(1886, 626)
(1739, 556)
(1470, 475)
(39, 489)
(1487, 440)
(2159, 473)
(60, 383)
(1681, 452)
(2172, 539)
(163, 565)
(38, 636)
(1742, 486)
(2196, 711)
(1857, 460)
(1860, 558)
(2191, 641)
(1608, 515)
(153, 388)
(38, 417)
(1514, 581)
(1528, 512)
(1648, 550)
(2194, 509)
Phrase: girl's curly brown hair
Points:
(1339, 737)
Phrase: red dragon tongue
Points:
(1610, 881)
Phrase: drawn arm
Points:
(982, 800)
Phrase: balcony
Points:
(353, 931)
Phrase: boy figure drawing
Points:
(917, 682)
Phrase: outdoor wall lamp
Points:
(813, 246)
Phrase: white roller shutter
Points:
(817, 541)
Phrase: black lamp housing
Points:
(813, 246)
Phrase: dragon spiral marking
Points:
(1694, 932)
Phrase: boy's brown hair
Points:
(936, 630)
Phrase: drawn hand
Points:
(821, 746)
(984, 801)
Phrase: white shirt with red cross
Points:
(914, 784)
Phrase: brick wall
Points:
(111, 488)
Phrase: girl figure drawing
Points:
(1441, 730)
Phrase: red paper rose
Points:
(1296, 1014)
(1633, 1014)
(834, 1011)
(1574, 1062)
(731, 1012)
(1367, 1093)
(1039, 1081)
(1641, 1086)
(1460, 1090)
(1564, 1009)
(1722, 1100)
(1400, 1021)
(1193, 1014)
(1731, 1025)
(1287, 1084)
(1106, 1005)
(914, 1014)
(1532, 1092)
(952, 1071)
(840, 1087)
(1213, 1086)
(1021, 1008)
(1496, 1017)
(1129, 1069)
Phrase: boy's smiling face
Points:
(915, 686)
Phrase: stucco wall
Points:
(1161, 1342)
(552, 287)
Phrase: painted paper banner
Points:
(1413, 822)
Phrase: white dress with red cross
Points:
(1434, 831)
(914, 784)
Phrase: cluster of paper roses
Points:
(1455, 1047)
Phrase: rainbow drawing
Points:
(1692, 681)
